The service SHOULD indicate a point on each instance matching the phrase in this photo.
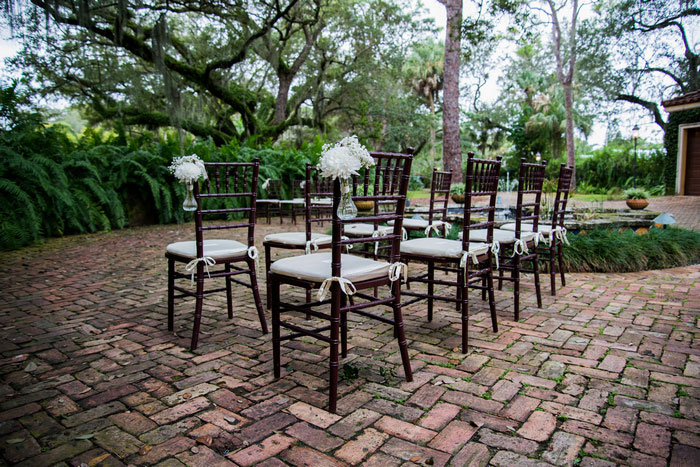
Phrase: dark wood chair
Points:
(437, 209)
(474, 260)
(273, 197)
(317, 193)
(553, 234)
(519, 244)
(296, 204)
(344, 275)
(230, 190)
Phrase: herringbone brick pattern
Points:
(607, 372)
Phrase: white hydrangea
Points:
(188, 169)
(344, 158)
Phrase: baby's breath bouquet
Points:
(342, 160)
(188, 170)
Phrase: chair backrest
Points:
(273, 189)
(529, 194)
(318, 195)
(234, 185)
(389, 181)
(439, 196)
(562, 196)
(481, 180)
(298, 187)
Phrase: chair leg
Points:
(536, 273)
(229, 296)
(268, 263)
(464, 305)
(500, 272)
(267, 211)
(274, 287)
(484, 289)
(552, 272)
(335, 331)
(431, 289)
(516, 287)
(343, 328)
(492, 298)
(399, 330)
(171, 294)
(256, 294)
(198, 306)
(561, 263)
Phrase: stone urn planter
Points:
(637, 204)
(364, 205)
(459, 199)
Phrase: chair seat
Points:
(328, 201)
(316, 267)
(527, 227)
(366, 230)
(298, 238)
(441, 248)
(216, 249)
(296, 201)
(269, 201)
(501, 236)
(409, 223)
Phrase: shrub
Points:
(610, 251)
(636, 193)
(457, 189)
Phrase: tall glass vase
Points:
(346, 209)
(190, 203)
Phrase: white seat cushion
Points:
(216, 249)
(543, 229)
(299, 201)
(366, 230)
(440, 248)
(501, 236)
(298, 238)
(270, 201)
(412, 223)
(316, 267)
(321, 200)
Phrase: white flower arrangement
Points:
(188, 169)
(344, 158)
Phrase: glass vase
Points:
(190, 203)
(346, 208)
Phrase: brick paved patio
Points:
(608, 372)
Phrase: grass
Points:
(610, 251)
(418, 194)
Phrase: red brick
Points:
(652, 439)
(182, 410)
(538, 426)
(313, 415)
(365, 444)
(167, 449)
(405, 430)
(258, 452)
(520, 408)
(314, 437)
(453, 436)
(426, 396)
(301, 456)
(439, 416)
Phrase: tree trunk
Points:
(432, 129)
(451, 147)
(570, 150)
(282, 98)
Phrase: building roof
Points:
(688, 98)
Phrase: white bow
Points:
(560, 232)
(375, 234)
(520, 247)
(404, 234)
(346, 287)
(192, 265)
(395, 271)
(495, 249)
(435, 226)
(266, 184)
(253, 254)
(463, 261)
(302, 184)
(309, 244)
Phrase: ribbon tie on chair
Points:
(302, 184)
(463, 261)
(520, 247)
(266, 184)
(495, 249)
(560, 232)
(192, 265)
(375, 234)
(253, 254)
(346, 287)
(435, 226)
(311, 243)
(395, 270)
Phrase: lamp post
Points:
(635, 135)
(538, 157)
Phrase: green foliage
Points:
(610, 251)
(457, 189)
(613, 166)
(675, 119)
(636, 193)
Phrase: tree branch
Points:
(653, 107)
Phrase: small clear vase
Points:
(190, 203)
(346, 209)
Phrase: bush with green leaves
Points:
(613, 166)
(636, 193)
(457, 189)
(612, 251)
